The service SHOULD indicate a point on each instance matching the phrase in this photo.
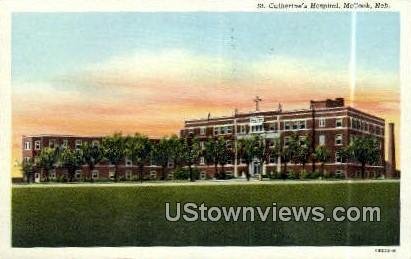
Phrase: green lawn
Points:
(134, 215)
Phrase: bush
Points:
(315, 175)
(292, 175)
(305, 175)
(184, 173)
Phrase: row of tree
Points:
(188, 151)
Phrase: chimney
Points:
(391, 170)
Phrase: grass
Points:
(135, 215)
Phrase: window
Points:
(286, 141)
(202, 144)
(202, 160)
(229, 129)
(94, 174)
(37, 145)
(302, 124)
(321, 140)
(26, 159)
(128, 162)
(52, 143)
(272, 127)
(295, 125)
(229, 161)
(243, 129)
(170, 163)
(338, 123)
(223, 130)
(153, 174)
(111, 175)
(322, 123)
(27, 145)
(77, 174)
(339, 173)
(338, 139)
(95, 142)
(216, 130)
(78, 143)
(302, 140)
(273, 159)
(338, 158)
(203, 175)
(65, 143)
(377, 130)
(287, 125)
(202, 131)
(256, 128)
(270, 143)
(129, 174)
(53, 175)
(190, 131)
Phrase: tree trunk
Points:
(71, 173)
(248, 172)
(322, 169)
(115, 173)
(141, 172)
(163, 172)
(46, 172)
(191, 173)
(362, 170)
(90, 173)
(222, 172)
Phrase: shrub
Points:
(292, 175)
(184, 173)
(305, 175)
(315, 175)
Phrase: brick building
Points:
(32, 146)
(327, 122)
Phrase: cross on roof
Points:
(257, 101)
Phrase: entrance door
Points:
(255, 168)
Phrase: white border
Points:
(8, 7)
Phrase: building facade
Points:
(327, 122)
(32, 146)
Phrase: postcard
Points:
(202, 129)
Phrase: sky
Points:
(97, 73)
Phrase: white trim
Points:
(28, 145)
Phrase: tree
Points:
(365, 150)
(162, 154)
(176, 150)
(288, 151)
(28, 168)
(224, 154)
(247, 148)
(139, 149)
(211, 153)
(113, 150)
(92, 155)
(263, 150)
(322, 154)
(72, 160)
(46, 160)
(191, 153)
(301, 154)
